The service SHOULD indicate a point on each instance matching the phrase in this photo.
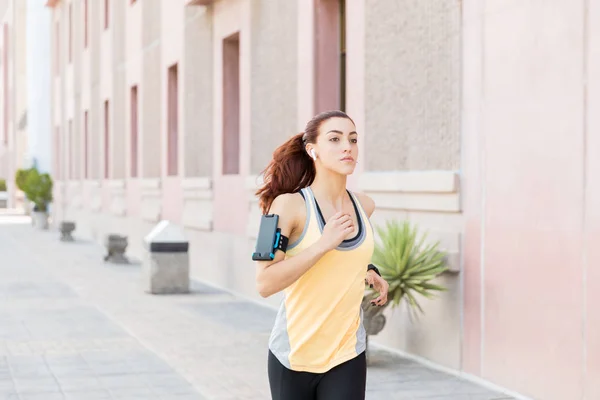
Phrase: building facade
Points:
(25, 93)
(13, 93)
(483, 135)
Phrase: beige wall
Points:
(273, 77)
(119, 131)
(198, 92)
(412, 56)
(150, 93)
(95, 113)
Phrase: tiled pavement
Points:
(72, 327)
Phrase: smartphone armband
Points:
(269, 239)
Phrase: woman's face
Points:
(336, 146)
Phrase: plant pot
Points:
(66, 228)
(116, 245)
(40, 219)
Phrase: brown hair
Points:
(291, 168)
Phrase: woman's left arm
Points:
(373, 279)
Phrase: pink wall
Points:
(526, 262)
(592, 211)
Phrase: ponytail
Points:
(290, 170)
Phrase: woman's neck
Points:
(330, 187)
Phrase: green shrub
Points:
(2, 185)
(38, 189)
(20, 177)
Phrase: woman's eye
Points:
(354, 140)
(333, 139)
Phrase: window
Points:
(86, 172)
(57, 55)
(106, 140)
(71, 152)
(231, 105)
(172, 133)
(58, 154)
(134, 132)
(85, 23)
(70, 33)
(342, 55)
(330, 54)
(5, 66)
(106, 13)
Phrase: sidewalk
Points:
(73, 327)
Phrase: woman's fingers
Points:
(381, 300)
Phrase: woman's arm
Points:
(273, 276)
(276, 275)
(373, 279)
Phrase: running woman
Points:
(318, 342)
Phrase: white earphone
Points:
(313, 154)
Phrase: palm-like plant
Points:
(408, 263)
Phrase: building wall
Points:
(456, 119)
(531, 210)
(198, 93)
(274, 78)
(13, 100)
(412, 82)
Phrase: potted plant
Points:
(3, 194)
(408, 264)
(38, 189)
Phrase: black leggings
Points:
(346, 381)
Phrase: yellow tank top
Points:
(319, 323)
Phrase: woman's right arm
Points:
(276, 275)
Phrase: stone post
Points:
(66, 228)
(166, 268)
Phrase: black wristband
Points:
(374, 268)
(282, 241)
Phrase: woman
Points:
(316, 348)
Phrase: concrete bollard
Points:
(166, 267)
(66, 228)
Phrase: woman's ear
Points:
(311, 152)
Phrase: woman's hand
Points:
(336, 229)
(380, 285)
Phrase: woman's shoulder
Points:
(288, 201)
(367, 203)
(291, 210)
(290, 205)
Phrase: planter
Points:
(40, 219)
(66, 228)
(3, 199)
(115, 247)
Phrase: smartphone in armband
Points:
(268, 238)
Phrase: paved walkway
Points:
(72, 327)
